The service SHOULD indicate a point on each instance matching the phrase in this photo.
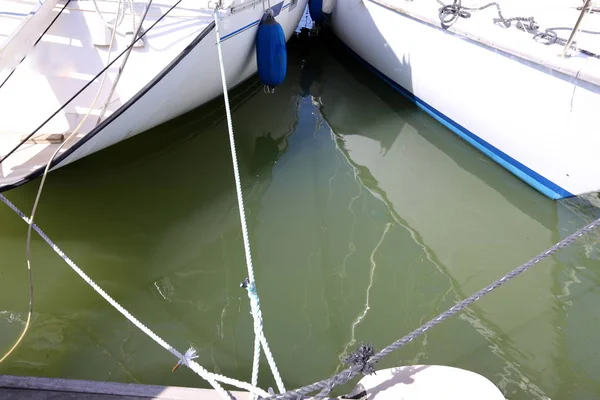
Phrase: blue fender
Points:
(271, 52)
(315, 9)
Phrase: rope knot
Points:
(250, 287)
(549, 37)
(360, 358)
(187, 358)
(450, 13)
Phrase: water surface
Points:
(366, 217)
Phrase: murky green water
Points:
(366, 218)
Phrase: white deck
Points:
(559, 16)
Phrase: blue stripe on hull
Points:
(532, 178)
(242, 29)
(276, 10)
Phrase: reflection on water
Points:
(366, 220)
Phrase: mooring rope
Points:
(186, 359)
(449, 13)
(363, 359)
(250, 283)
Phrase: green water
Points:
(366, 219)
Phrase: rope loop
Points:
(450, 13)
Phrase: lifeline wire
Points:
(142, 35)
(251, 286)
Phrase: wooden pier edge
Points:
(34, 388)
(431, 382)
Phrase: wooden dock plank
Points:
(34, 388)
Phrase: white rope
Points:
(186, 359)
(120, 14)
(251, 286)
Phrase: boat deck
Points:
(553, 17)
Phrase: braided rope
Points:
(251, 285)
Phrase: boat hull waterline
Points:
(186, 75)
(534, 121)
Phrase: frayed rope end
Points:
(361, 358)
(189, 355)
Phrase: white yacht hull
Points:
(189, 76)
(533, 113)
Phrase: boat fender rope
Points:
(186, 359)
(345, 376)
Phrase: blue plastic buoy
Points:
(271, 52)
(315, 9)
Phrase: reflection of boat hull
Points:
(458, 207)
(549, 143)
(176, 71)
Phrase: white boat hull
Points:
(457, 208)
(538, 123)
(194, 81)
(189, 78)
